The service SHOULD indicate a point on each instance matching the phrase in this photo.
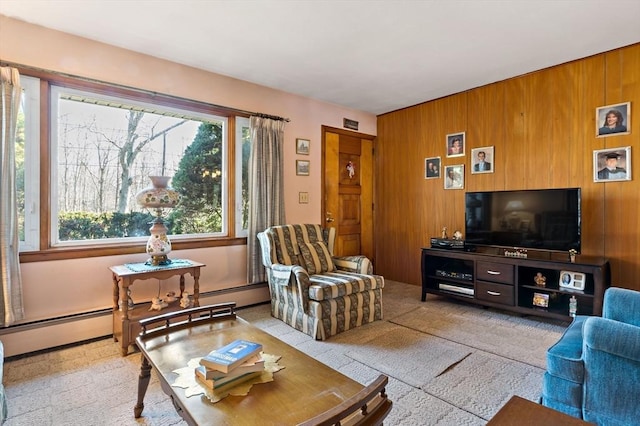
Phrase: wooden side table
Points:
(125, 320)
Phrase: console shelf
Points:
(509, 283)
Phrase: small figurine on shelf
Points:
(444, 232)
(457, 235)
(170, 297)
(157, 304)
(572, 255)
(540, 280)
(185, 302)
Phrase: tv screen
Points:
(543, 219)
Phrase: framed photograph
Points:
(610, 165)
(302, 146)
(432, 167)
(541, 300)
(613, 120)
(302, 167)
(455, 145)
(454, 177)
(482, 160)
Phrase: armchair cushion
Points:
(316, 257)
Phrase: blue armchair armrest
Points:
(622, 305)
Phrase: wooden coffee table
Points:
(522, 412)
(300, 391)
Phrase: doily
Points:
(187, 380)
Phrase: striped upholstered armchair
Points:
(313, 291)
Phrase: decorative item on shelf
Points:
(457, 235)
(185, 302)
(517, 252)
(170, 297)
(572, 255)
(541, 300)
(540, 280)
(158, 197)
(130, 304)
(157, 304)
(573, 306)
(444, 232)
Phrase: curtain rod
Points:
(148, 92)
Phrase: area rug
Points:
(482, 383)
(408, 355)
(510, 336)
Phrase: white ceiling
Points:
(375, 56)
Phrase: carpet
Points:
(482, 383)
(517, 338)
(408, 355)
(439, 373)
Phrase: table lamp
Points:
(158, 197)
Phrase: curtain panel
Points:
(266, 188)
(12, 309)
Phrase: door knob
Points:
(329, 218)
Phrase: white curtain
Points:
(266, 188)
(12, 309)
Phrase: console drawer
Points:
(494, 271)
(496, 293)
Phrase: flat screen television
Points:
(542, 219)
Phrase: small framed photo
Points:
(541, 300)
(432, 167)
(482, 160)
(302, 146)
(455, 145)
(302, 167)
(454, 177)
(613, 120)
(610, 165)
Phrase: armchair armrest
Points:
(621, 304)
(611, 337)
(358, 264)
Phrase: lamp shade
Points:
(159, 195)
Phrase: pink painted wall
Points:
(59, 288)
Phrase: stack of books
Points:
(226, 367)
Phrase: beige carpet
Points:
(444, 375)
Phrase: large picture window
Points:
(106, 148)
(103, 148)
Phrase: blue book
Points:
(230, 356)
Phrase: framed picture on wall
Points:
(432, 167)
(302, 167)
(454, 177)
(482, 160)
(302, 146)
(612, 120)
(610, 165)
(455, 145)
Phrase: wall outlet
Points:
(303, 198)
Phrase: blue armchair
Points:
(593, 371)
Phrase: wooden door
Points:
(348, 190)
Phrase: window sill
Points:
(103, 250)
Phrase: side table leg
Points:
(143, 384)
(196, 287)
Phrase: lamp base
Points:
(160, 260)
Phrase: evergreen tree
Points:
(199, 181)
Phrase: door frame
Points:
(324, 130)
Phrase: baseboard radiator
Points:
(55, 332)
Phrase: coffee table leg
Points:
(143, 384)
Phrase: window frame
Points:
(46, 250)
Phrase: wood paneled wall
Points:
(543, 128)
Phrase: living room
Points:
(543, 135)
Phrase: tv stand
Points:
(508, 283)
